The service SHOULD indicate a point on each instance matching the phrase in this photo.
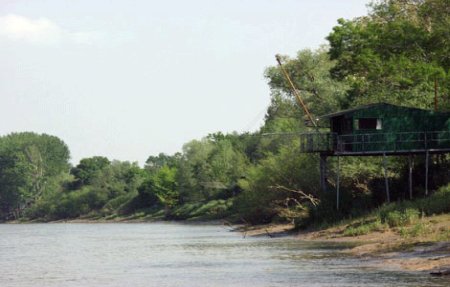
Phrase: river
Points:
(171, 254)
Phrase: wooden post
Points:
(410, 162)
(323, 172)
(338, 181)
(427, 159)
(386, 182)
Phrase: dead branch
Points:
(302, 194)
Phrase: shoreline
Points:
(388, 248)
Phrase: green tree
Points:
(277, 183)
(153, 163)
(88, 169)
(210, 168)
(30, 161)
(395, 53)
(160, 189)
(310, 72)
(15, 184)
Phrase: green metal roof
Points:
(349, 111)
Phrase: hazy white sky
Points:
(128, 79)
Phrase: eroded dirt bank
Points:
(387, 248)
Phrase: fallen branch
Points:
(314, 201)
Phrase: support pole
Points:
(435, 95)
(386, 182)
(427, 160)
(323, 172)
(338, 181)
(410, 162)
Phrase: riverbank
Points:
(428, 251)
(417, 244)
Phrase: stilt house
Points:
(382, 128)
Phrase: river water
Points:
(170, 254)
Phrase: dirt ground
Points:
(388, 247)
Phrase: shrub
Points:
(364, 228)
(355, 231)
(414, 231)
(117, 202)
(437, 203)
(400, 218)
(393, 218)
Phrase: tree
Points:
(15, 184)
(29, 162)
(153, 163)
(88, 169)
(160, 189)
(310, 72)
(277, 183)
(210, 168)
(395, 53)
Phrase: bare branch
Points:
(302, 194)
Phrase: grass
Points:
(398, 218)
(416, 230)
(406, 218)
(364, 228)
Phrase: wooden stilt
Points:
(386, 182)
(323, 172)
(410, 162)
(338, 181)
(427, 160)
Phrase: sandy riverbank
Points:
(386, 248)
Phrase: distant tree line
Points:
(395, 54)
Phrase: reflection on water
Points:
(165, 254)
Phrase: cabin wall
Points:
(402, 129)
(397, 119)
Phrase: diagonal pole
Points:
(295, 91)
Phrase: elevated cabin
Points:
(381, 129)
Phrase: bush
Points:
(118, 202)
(364, 228)
(437, 203)
(414, 231)
(210, 210)
(393, 218)
(400, 218)
(407, 212)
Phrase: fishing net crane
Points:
(296, 93)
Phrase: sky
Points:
(130, 79)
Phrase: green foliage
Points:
(96, 185)
(160, 188)
(407, 212)
(88, 169)
(438, 203)
(400, 218)
(310, 72)
(154, 163)
(28, 162)
(273, 183)
(116, 204)
(394, 54)
(210, 169)
(364, 228)
(414, 231)
(213, 209)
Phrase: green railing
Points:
(375, 142)
(318, 142)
